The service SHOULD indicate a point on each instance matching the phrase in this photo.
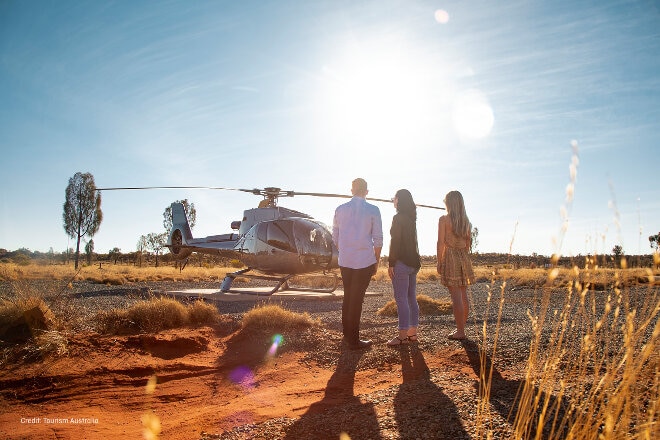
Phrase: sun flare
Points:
(380, 97)
(472, 116)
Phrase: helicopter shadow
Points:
(340, 410)
(504, 395)
(420, 402)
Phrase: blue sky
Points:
(481, 96)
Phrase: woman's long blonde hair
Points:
(460, 223)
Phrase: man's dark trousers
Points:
(355, 283)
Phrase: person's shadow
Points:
(504, 394)
(340, 411)
(421, 403)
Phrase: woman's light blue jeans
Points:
(404, 283)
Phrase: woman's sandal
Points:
(412, 338)
(395, 341)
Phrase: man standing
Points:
(357, 232)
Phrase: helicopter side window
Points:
(279, 235)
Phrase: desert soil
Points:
(212, 383)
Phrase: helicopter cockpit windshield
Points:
(313, 241)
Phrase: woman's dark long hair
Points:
(405, 204)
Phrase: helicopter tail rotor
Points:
(180, 235)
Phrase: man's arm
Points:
(377, 236)
(335, 230)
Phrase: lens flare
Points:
(242, 376)
(277, 341)
(442, 16)
(151, 385)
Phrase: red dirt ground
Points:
(103, 383)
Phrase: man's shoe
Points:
(360, 345)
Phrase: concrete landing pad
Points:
(258, 293)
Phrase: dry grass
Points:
(110, 274)
(200, 313)
(596, 278)
(275, 319)
(27, 319)
(427, 306)
(594, 366)
(31, 310)
(156, 314)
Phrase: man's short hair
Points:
(359, 186)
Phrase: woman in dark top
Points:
(404, 263)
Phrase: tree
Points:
(654, 241)
(617, 250)
(89, 250)
(155, 243)
(82, 209)
(189, 209)
(114, 254)
(475, 241)
(141, 246)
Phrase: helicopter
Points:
(277, 242)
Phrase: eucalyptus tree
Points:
(82, 209)
(188, 208)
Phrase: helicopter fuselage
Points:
(272, 240)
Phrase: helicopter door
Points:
(280, 235)
(314, 243)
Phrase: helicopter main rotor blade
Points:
(344, 196)
(271, 191)
(171, 187)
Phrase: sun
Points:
(377, 95)
(472, 116)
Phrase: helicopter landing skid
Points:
(281, 281)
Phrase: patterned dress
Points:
(456, 268)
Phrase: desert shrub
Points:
(201, 312)
(114, 280)
(427, 306)
(21, 259)
(272, 318)
(158, 314)
(154, 315)
(24, 317)
(236, 264)
(114, 321)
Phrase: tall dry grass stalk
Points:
(593, 370)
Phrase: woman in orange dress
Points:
(454, 265)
